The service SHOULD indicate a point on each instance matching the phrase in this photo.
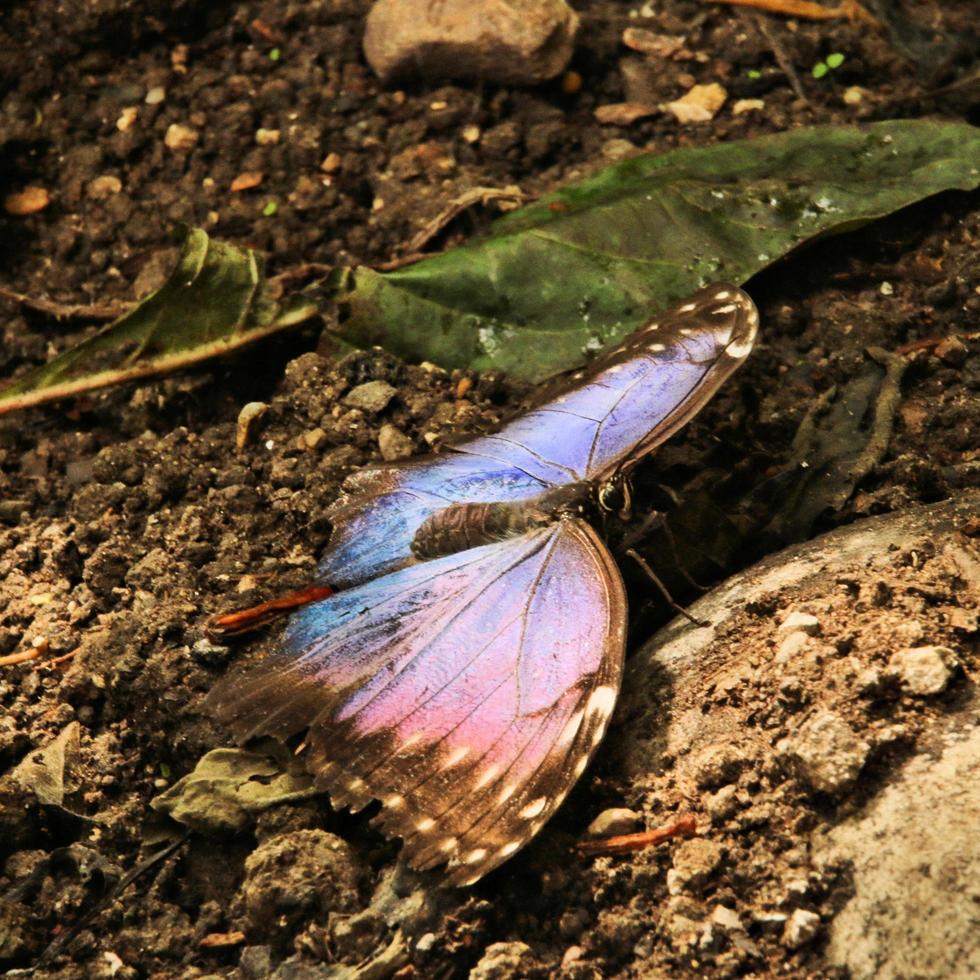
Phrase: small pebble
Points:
(267, 137)
(727, 919)
(503, 960)
(180, 138)
(923, 670)
(801, 621)
(155, 95)
(127, 118)
(801, 928)
(247, 418)
(394, 444)
(614, 822)
(315, 438)
(747, 105)
(372, 396)
(103, 187)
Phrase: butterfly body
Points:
(459, 527)
(467, 670)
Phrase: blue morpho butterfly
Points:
(465, 673)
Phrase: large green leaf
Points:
(584, 266)
(216, 300)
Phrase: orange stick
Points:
(850, 9)
(246, 620)
(685, 826)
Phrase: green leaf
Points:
(584, 266)
(819, 69)
(835, 60)
(216, 300)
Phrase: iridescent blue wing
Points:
(466, 693)
(628, 401)
(633, 397)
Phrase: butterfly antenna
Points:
(652, 575)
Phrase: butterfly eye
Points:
(614, 498)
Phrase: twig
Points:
(66, 311)
(685, 826)
(782, 58)
(476, 195)
(247, 620)
(808, 10)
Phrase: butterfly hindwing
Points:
(467, 693)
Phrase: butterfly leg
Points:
(668, 598)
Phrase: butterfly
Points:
(466, 670)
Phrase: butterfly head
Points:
(614, 496)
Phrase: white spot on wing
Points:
(509, 849)
(395, 802)
(740, 348)
(570, 730)
(722, 294)
(728, 308)
(425, 824)
(656, 348)
(580, 766)
(687, 307)
(357, 785)
(601, 701)
(533, 808)
(449, 844)
(487, 777)
(507, 792)
(457, 756)
(476, 856)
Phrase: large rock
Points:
(877, 872)
(516, 41)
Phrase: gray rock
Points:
(923, 670)
(826, 753)
(915, 859)
(727, 919)
(370, 397)
(801, 928)
(611, 823)
(505, 41)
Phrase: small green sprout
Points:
(754, 73)
(831, 62)
(275, 54)
(270, 209)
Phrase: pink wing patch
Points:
(466, 693)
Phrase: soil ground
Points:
(128, 518)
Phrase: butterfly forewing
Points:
(466, 693)
(633, 397)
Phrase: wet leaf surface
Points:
(586, 265)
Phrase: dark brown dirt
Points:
(128, 518)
